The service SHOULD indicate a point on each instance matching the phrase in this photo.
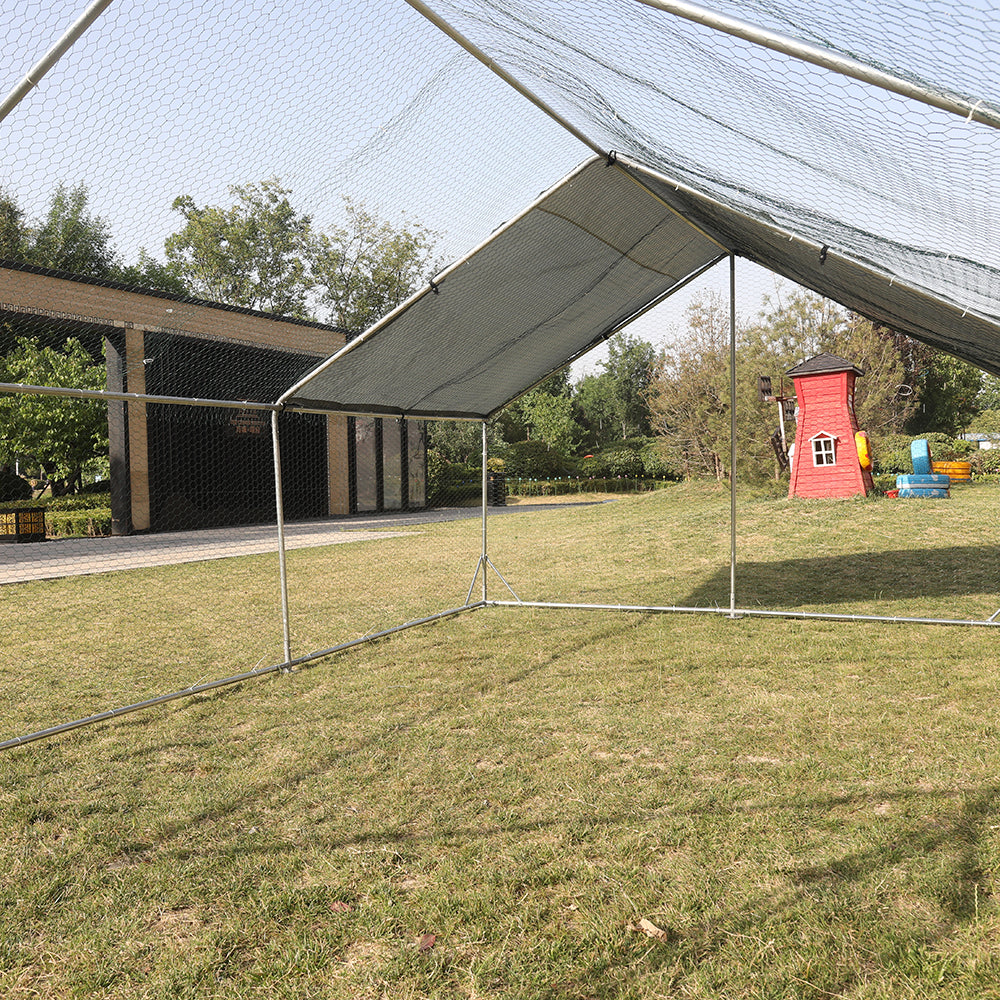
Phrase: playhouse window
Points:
(823, 451)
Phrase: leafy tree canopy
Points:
(629, 368)
(58, 434)
(253, 254)
(366, 268)
(71, 238)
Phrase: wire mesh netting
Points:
(200, 204)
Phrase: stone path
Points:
(21, 562)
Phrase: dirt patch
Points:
(568, 498)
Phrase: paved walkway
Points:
(21, 562)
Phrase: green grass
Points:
(805, 809)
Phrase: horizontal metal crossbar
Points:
(196, 689)
(749, 613)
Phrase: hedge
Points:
(78, 523)
(567, 486)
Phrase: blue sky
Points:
(368, 100)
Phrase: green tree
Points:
(462, 440)
(593, 401)
(947, 392)
(363, 270)
(13, 232)
(988, 397)
(70, 238)
(255, 253)
(60, 435)
(149, 273)
(515, 418)
(629, 368)
(883, 400)
(551, 420)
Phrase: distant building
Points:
(179, 466)
(983, 441)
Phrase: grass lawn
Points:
(520, 803)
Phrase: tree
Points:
(988, 397)
(947, 392)
(149, 273)
(883, 400)
(593, 401)
(366, 268)
(253, 254)
(688, 395)
(58, 434)
(13, 234)
(551, 420)
(70, 238)
(462, 440)
(630, 369)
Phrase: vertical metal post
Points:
(280, 513)
(483, 559)
(732, 434)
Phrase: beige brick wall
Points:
(61, 298)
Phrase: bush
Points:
(534, 459)
(78, 523)
(638, 457)
(986, 462)
(568, 486)
(626, 462)
(102, 486)
(658, 466)
(891, 453)
(451, 483)
(883, 482)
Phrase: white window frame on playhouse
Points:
(824, 449)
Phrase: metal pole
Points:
(991, 622)
(115, 713)
(483, 561)
(512, 81)
(280, 516)
(51, 57)
(732, 435)
(828, 59)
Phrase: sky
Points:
(155, 101)
(368, 100)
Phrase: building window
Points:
(823, 451)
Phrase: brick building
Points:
(180, 466)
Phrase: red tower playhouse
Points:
(831, 456)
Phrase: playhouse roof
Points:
(823, 364)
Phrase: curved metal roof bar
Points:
(827, 59)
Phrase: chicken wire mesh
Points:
(135, 174)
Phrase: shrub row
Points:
(75, 501)
(522, 487)
(85, 523)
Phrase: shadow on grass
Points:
(818, 580)
(358, 748)
(966, 883)
(839, 901)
